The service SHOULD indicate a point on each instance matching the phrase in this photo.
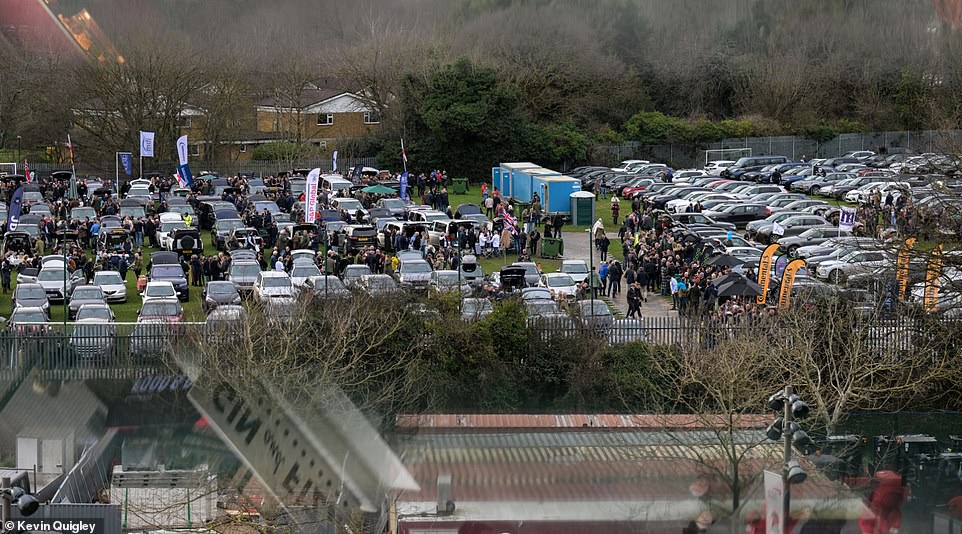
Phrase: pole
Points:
(404, 156)
(18, 148)
(5, 511)
(141, 168)
(117, 170)
(787, 456)
(327, 241)
(591, 269)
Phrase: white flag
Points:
(182, 149)
(846, 219)
(778, 229)
(335, 161)
(310, 196)
(146, 144)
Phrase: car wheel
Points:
(188, 243)
(837, 276)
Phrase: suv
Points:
(113, 242)
(221, 231)
(354, 237)
(273, 285)
(414, 273)
(244, 237)
(243, 274)
(185, 241)
(164, 266)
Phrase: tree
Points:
(228, 110)
(289, 79)
(147, 92)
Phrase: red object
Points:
(70, 147)
(885, 504)
(26, 171)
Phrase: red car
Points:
(168, 309)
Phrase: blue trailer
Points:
(555, 192)
(496, 179)
(508, 175)
(524, 182)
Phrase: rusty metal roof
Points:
(488, 422)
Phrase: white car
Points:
(561, 285)
(303, 270)
(273, 285)
(168, 223)
(158, 290)
(112, 285)
(630, 165)
(856, 261)
(576, 269)
(715, 168)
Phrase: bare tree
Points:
(228, 110)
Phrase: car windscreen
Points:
(276, 281)
(221, 289)
(107, 279)
(540, 307)
(226, 225)
(87, 293)
(574, 268)
(160, 290)
(28, 317)
(244, 269)
(305, 271)
(51, 276)
(560, 281)
(349, 204)
(31, 293)
(168, 226)
(167, 271)
(160, 309)
(415, 267)
(95, 312)
(448, 279)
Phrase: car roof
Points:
(274, 274)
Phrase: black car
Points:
(218, 293)
(166, 266)
(186, 241)
(700, 218)
(740, 214)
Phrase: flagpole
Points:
(404, 158)
(141, 167)
(116, 167)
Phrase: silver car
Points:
(31, 296)
(93, 338)
(84, 295)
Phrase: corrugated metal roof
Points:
(573, 421)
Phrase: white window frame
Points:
(243, 147)
(329, 117)
(367, 117)
(193, 150)
(184, 121)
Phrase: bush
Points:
(278, 151)
(652, 127)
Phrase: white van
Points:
(334, 184)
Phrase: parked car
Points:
(113, 286)
(165, 266)
(561, 285)
(243, 274)
(84, 295)
(327, 286)
(272, 284)
(594, 314)
(95, 311)
(789, 227)
(473, 309)
(413, 273)
(93, 338)
(160, 289)
(168, 310)
(576, 269)
(377, 285)
(58, 283)
(854, 262)
(448, 280)
(352, 274)
(31, 296)
(217, 293)
(812, 236)
(740, 214)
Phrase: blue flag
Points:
(13, 216)
(127, 160)
(356, 175)
(184, 176)
(404, 185)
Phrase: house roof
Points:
(488, 422)
(308, 97)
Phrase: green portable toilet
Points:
(582, 208)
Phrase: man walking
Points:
(634, 299)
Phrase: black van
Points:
(751, 163)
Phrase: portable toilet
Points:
(496, 179)
(582, 208)
(508, 175)
(527, 183)
(555, 192)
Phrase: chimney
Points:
(445, 498)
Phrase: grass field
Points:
(127, 312)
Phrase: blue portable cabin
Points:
(524, 182)
(496, 179)
(508, 174)
(555, 192)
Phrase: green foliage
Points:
(278, 151)
(606, 135)
(652, 127)
(820, 132)
(705, 131)
(913, 100)
(736, 128)
(562, 143)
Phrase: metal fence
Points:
(253, 168)
(791, 146)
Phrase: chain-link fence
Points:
(794, 147)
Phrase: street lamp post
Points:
(18, 149)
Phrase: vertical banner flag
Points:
(788, 279)
(902, 268)
(846, 219)
(13, 216)
(765, 272)
(184, 177)
(774, 498)
(404, 154)
(932, 276)
(310, 195)
(70, 148)
(356, 175)
(404, 185)
(26, 171)
(127, 161)
(146, 144)
(334, 165)
(182, 149)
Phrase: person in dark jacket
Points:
(644, 280)
(196, 270)
(615, 272)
